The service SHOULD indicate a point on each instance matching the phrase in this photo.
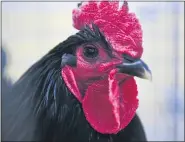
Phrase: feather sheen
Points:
(41, 108)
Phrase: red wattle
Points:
(70, 81)
(99, 111)
(108, 105)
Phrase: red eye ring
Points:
(90, 51)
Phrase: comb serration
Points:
(121, 28)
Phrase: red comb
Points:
(121, 28)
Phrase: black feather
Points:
(41, 108)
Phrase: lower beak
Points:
(137, 68)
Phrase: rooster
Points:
(84, 89)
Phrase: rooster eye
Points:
(90, 52)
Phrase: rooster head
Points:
(100, 71)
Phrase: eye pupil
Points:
(90, 52)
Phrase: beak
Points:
(136, 68)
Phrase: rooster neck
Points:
(75, 128)
(40, 107)
(70, 125)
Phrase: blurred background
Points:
(31, 29)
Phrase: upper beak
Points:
(136, 68)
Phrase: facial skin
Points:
(94, 61)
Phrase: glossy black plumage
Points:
(40, 106)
